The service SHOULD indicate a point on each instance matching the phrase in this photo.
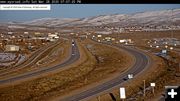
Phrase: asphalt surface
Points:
(70, 60)
(141, 62)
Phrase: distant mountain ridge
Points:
(162, 17)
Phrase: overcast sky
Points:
(82, 10)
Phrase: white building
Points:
(26, 32)
(125, 41)
(10, 33)
(108, 38)
(99, 36)
(53, 36)
(11, 48)
(122, 41)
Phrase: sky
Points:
(81, 11)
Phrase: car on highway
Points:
(73, 43)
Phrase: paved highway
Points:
(141, 62)
(70, 60)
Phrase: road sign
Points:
(122, 93)
(152, 84)
(164, 51)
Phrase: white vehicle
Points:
(73, 43)
(130, 76)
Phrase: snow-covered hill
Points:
(163, 17)
(50, 21)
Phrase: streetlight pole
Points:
(172, 23)
(179, 66)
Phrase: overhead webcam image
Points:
(90, 52)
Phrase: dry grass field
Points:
(100, 62)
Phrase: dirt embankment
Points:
(99, 62)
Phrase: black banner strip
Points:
(89, 1)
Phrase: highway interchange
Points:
(142, 61)
(31, 60)
(36, 73)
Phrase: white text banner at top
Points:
(25, 7)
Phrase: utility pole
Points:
(144, 88)
(179, 65)
(179, 68)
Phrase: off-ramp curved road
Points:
(70, 60)
(142, 61)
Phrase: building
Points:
(125, 41)
(11, 48)
(38, 34)
(113, 39)
(122, 41)
(103, 32)
(99, 36)
(10, 33)
(53, 36)
(108, 38)
(26, 32)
